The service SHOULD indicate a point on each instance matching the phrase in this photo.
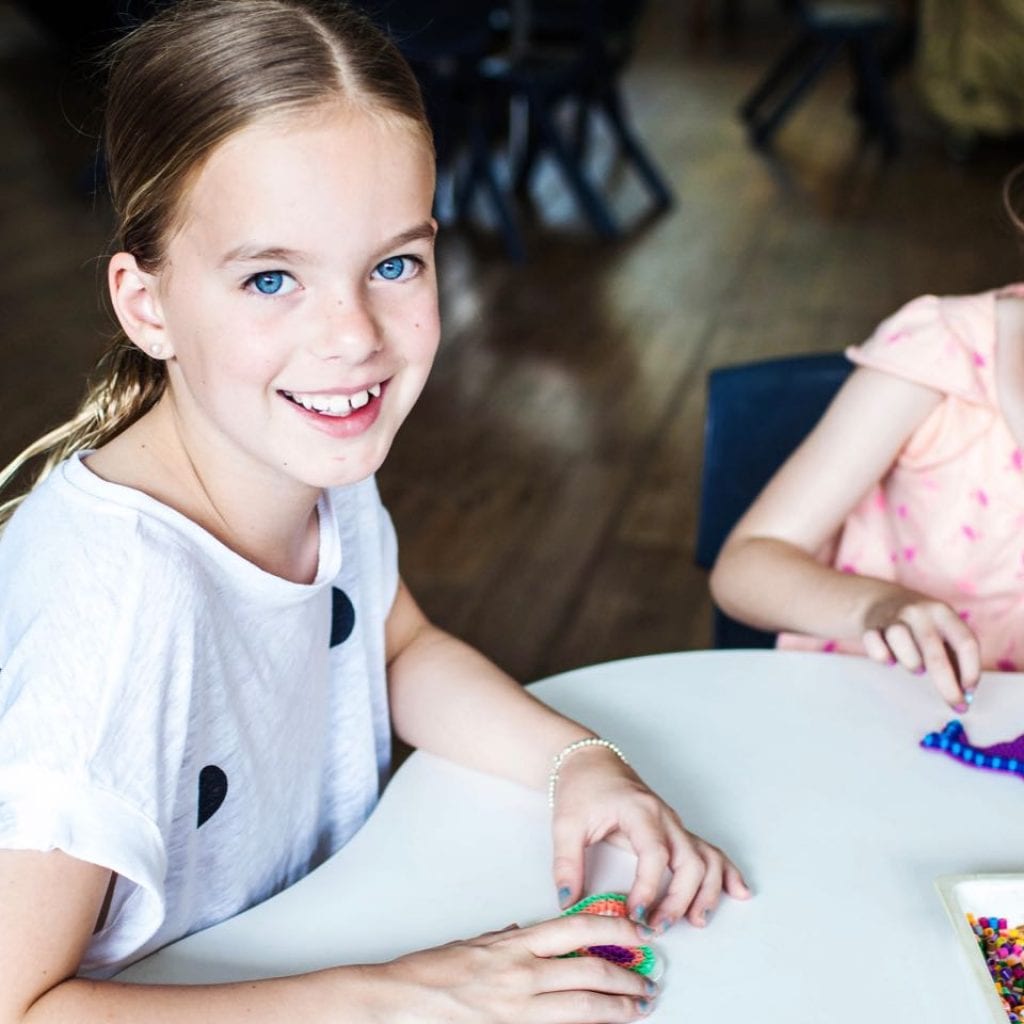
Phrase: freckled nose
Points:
(350, 332)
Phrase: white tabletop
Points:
(804, 767)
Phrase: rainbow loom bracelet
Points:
(641, 959)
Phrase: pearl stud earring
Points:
(156, 350)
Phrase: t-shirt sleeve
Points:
(937, 342)
(946, 344)
(91, 728)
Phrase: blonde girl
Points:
(204, 638)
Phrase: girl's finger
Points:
(876, 648)
(901, 642)
(593, 974)
(653, 857)
(688, 868)
(567, 866)
(964, 644)
(563, 935)
(936, 656)
(588, 1008)
(710, 889)
(734, 882)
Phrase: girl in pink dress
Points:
(895, 529)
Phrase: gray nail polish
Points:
(643, 1005)
(640, 914)
(651, 987)
(564, 896)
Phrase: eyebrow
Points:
(252, 253)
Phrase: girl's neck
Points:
(268, 521)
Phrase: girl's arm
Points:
(449, 699)
(48, 908)
(768, 576)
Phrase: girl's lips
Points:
(341, 424)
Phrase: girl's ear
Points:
(133, 294)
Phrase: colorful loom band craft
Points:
(1001, 757)
(641, 959)
(1003, 950)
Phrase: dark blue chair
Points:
(445, 42)
(757, 414)
(826, 32)
(571, 62)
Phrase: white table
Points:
(804, 767)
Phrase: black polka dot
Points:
(343, 617)
(213, 788)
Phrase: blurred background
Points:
(546, 487)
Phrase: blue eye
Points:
(392, 269)
(272, 282)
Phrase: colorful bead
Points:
(1002, 949)
(1000, 757)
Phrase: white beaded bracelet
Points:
(560, 758)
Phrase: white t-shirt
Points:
(168, 710)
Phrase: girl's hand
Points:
(509, 976)
(925, 635)
(599, 797)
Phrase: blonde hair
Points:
(179, 85)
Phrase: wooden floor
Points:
(545, 488)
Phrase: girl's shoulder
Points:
(944, 342)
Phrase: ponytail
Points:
(126, 384)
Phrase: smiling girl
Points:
(204, 638)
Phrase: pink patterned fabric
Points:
(948, 519)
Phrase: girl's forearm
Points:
(449, 699)
(336, 995)
(773, 585)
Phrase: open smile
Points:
(334, 405)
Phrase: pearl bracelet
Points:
(560, 759)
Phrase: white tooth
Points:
(305, 401)
(339, 404)
(322, 403)
(359, 399)
(375, 390)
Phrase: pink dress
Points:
(948, 519)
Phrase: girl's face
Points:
(298, 300)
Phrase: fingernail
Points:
(651, 987)
(707, 915)
(667, 923)
(961, 707)
(891, 661)
(640, 913)
(564, 896)
(968, 696)
(643, 1005)
(645, 931)
(919, 671)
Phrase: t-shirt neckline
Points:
(78, 475)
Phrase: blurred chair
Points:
(568, 60)
(757, 413)
(827, 32)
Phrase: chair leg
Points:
(612, 104)
(586, 195)
(872, 96)
(785, 67)
(482, 172)
(761, 132)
